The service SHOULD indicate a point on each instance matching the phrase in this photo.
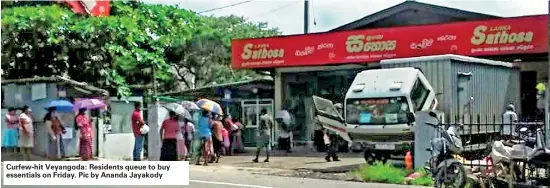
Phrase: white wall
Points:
(119, 144)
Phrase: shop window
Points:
(419, 95)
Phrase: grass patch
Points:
(383, 173)
(386, 173)
(423, 180)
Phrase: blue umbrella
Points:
(60, 105)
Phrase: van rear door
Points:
(329, 117)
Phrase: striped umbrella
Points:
(211, 106)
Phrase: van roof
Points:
(385, 79)
(447, 57)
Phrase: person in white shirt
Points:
(509, 118)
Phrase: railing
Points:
(479, 132)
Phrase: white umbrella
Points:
(190, 106)
(178, 109)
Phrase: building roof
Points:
(81, 86)
(435, 58)
(455, 14)
(240, 85)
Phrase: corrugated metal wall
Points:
(492, 87)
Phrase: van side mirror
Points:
(410, 118)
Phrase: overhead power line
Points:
(227, 6)
(274, 10)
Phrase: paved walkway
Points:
(313, 161)
(317, 164)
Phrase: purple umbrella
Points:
(89, 104)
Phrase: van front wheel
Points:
(369, 157)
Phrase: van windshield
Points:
(377, 111)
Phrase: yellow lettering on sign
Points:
(262, 52)
(360, 43)
(480, 36)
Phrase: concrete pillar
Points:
(278, 91)
(100, 138)
(153, 121)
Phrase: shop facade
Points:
(325, 64)
(243, 100)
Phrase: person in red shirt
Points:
(169, 134)
(137, 123)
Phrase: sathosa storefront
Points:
(325, 64)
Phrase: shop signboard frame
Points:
(518, 35)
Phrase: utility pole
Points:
(546, 103)
(306, 16)
(155, 99)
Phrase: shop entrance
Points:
(250, 118)
(298, 97)
(528, 91)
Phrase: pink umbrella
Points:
(89, 104)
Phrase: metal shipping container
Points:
(491, 87)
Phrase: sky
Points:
(288, 15)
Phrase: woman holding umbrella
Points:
(205, 125)
(84, 124)
(169, 134)
(55, 130)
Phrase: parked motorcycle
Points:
(518, 162)
(445, 169)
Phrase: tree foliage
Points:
(125, 48)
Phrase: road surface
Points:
(214, 177)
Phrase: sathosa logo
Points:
(499, 35)
(261, 52)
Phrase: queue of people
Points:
(219, 135)
(20, 134)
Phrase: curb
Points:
(338, 169)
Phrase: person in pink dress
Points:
(182, 148)
(217, 138)
(84, 124)
(26, 133)
(226, 142)
(190, 131)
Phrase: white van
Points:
(379, 110)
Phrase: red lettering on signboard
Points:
(521, 35)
